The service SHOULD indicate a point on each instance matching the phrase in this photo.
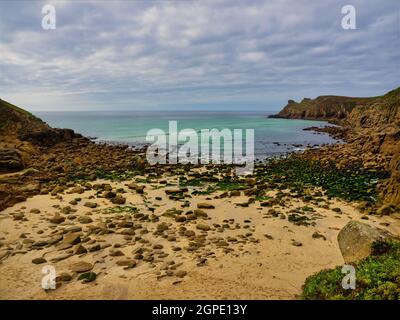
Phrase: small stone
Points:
(200, 213)
(296, 243)
(36, 211)
(109, 194)
(118, 200)
(73, 229)
(91, 205)
(77, 189)
(72, 238)
(202, 226)
(85, 219)
(116, 253)
(128, 264)
(171, 238)
(57, 219)
(87, 277)
(94, 248)
(80, 249)
(189, 233)
(81, 266)
(39, 260)
(317, 235)
(61, 257)
(181, 273)
(41, 243)
(18, 216)
(180, 219)
(205, 205)
(64, 277)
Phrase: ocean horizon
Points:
(272, 137)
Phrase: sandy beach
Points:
(141, 250)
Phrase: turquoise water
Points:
(272, 136)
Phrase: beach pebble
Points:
(85, 219)
(205, 205)
(81, 266)
(90, 204)
(39, 260)
(203, 226)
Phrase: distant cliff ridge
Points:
(371, 126)
(360, 111)
(323, 107)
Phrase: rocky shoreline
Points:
(115, 227)
(369, 126)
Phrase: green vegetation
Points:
(120, 209)
(300, 220)
(114, 175)
(15, 108)
(352, 184)
(377, 277)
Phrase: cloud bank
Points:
(221, 54)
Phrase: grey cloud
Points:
(141, 54)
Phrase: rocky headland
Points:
(369, 126)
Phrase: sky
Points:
(183, 55)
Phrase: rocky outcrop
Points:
(356, 238)
(348, 111)
(10, 160)
(20, 125)
(48, 154)
(371, 128)
(332, 108)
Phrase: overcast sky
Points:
(219, 54)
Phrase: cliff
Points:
(322, 108)
(33, 154)
(371, 127)
(24, 135)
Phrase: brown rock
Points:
(205, 205)
(81, 266)
(356, 238)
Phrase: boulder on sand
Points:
(356, 238)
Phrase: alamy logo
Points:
(49, 19)
(187, 146)
(349, 18)
(349, 280)
(49, 280)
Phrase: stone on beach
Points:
(205, 205)
(81, 266)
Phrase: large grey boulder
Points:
(355, 240)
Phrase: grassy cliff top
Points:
(14, 119)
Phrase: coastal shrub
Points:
(377, 277)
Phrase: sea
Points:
(272, 137)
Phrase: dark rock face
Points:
(10, 160)
(49, 137)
